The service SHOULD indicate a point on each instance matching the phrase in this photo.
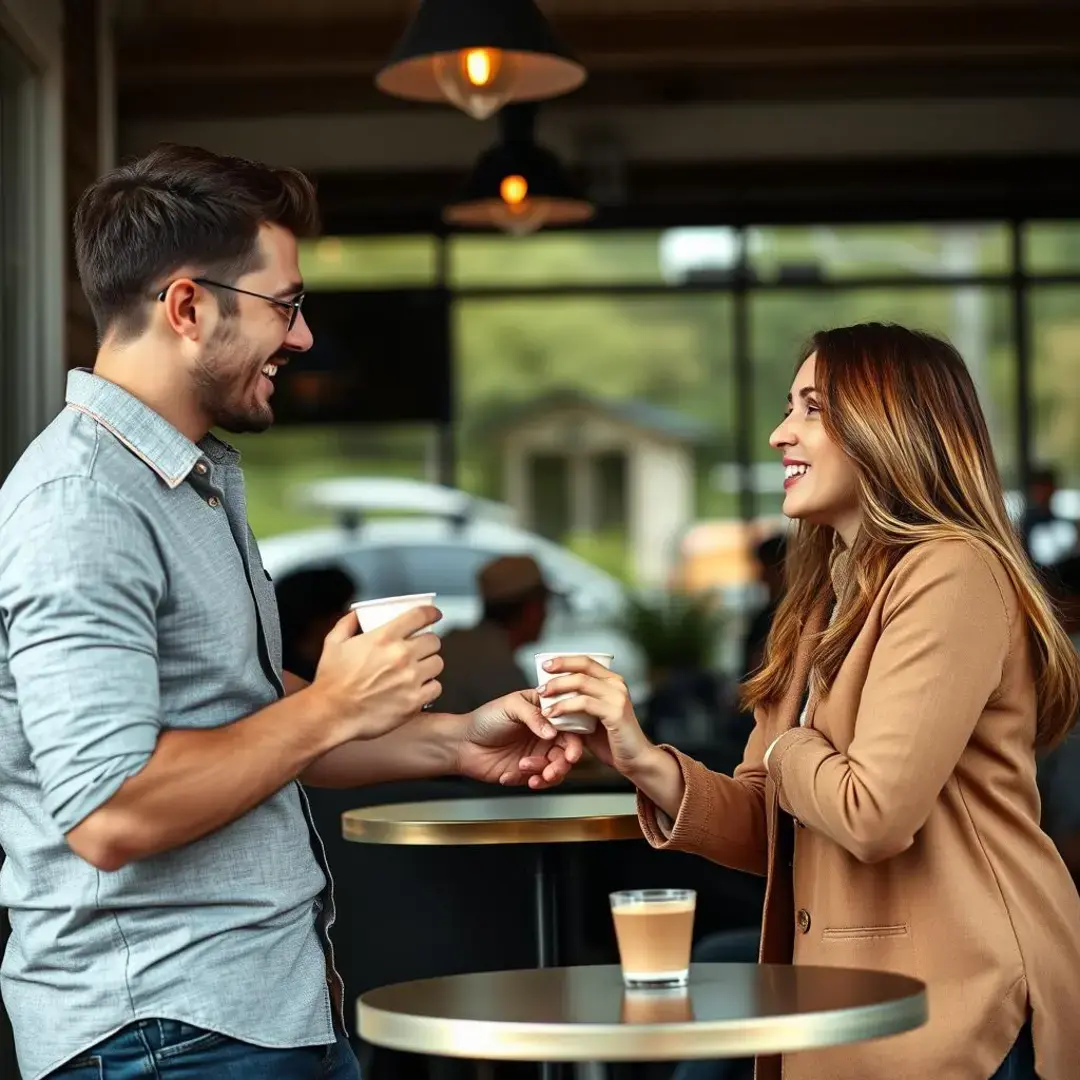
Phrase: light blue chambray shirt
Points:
(133, 600)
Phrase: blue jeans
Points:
(170, 1050)
(724, 947)
(1020, 1062)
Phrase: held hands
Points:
(372, 683)
(508, 742)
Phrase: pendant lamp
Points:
(518, 186)
(479, 55)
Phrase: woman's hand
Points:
(618, 739)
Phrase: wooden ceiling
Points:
(247, 58)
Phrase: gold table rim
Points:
(374, 825)
(559, 1042)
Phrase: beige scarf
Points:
(840, 574)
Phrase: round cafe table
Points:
(584, 1013)
(541, 820)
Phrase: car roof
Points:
(355, 497)
(286, 552)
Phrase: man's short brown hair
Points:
(179, 206)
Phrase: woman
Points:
(888, 789)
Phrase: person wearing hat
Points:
(480, 661)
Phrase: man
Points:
(169, 912)
(309, 603)
(480, 662)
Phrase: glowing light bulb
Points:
(477, 81)
(514, 190)
(481, 66)
(517, 213)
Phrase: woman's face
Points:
(820, 480)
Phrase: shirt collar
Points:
(147, 434)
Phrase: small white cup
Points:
(375, 613)
(579, 723)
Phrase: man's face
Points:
(236, 370)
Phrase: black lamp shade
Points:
(543, 67)
(549, 189)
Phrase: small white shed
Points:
(580, 464)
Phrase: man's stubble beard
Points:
(226, 385)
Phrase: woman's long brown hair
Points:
(903, 407)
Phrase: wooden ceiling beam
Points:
(660, 195)
(151, 50)
(183, 97)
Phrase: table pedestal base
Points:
(546, 930)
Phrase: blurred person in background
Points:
(1059, 785)
(1047, 537)
(770, 564)
(914, 669)
(480, 662)
(1064, 586)
(1059, 768)
(310, 602)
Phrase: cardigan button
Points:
(802, 919)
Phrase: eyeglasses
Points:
(292, 306)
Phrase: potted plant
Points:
(679, 636)
(675, 631)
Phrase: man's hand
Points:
(509, 742)
(370, 684)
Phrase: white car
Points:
(429, 538)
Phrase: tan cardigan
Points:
(916, 844)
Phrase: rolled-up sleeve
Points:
(80, 584)
(721, 817)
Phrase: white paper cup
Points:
(375, 613)
(580, 723)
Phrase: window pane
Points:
(1055, 322)
(1052, 247)
(600, 419)
(9, 254)
(835, 252)
(595, 375)
(977, 321)
(345, 262)
(18, 281)
(280, 463)
(657, 366)
(555, 258)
